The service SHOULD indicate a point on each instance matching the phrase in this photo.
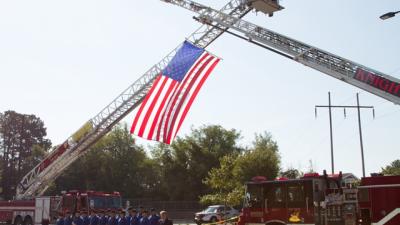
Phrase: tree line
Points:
(207, 165)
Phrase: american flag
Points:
(168, 101)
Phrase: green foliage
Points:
(114, 163)
(22, 146)
(291, 173)
(392, 169)
(186, 163)
(222, 178)
(226, 181)
(173, 172)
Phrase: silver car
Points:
(215, 213)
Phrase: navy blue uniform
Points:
(153, 219)
(122, 221)
(135, 221)
(94, 220)
(128, 219)
(86, 220)
(144, 221)
(78, 221)
(68, 221)
(112, 221)
(103, 220)
(60, 221)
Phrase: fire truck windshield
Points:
(105, 202)
(292, 194)
(254, 196)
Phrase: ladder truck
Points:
(31, 207)
(365, 78)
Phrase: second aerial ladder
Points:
(353, 73)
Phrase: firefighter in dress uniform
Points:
(93, 218)
(103, 218)
(112, 220)
(121, 218)
(144, 220)
(67, 218)
(77, 219)
(85, 218)
(60, 219)
(140, 213)
(153, 218)
(134, 218)
(129, 216)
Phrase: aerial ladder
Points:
(36, 181)
(365, 78)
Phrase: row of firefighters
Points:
(115, 217)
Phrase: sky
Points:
(64, 61)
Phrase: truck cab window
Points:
(254, 196)
(296, 195)
(275, 196)
(83, 202)
(69, 203)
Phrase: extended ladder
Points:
(368, 79)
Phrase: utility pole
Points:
(331, 133)
(344, 107)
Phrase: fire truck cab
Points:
(312, 199)
(73, 201)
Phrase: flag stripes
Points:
(168, 101)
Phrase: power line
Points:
(344, 107)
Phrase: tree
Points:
(117, 158)
(22, 146)
(186, 163)
(226, 187)
(392, 169)
(261, 160)
(226, 181)
(291, 173)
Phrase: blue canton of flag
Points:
(182, 61)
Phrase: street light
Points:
(388, 15)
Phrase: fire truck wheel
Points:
(28, 221)
(18, 220)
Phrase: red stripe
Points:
(153, 125)
(195, 94)
(192, 82)
(177, 91)
(135, 121)
(151, 107)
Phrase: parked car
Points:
(215, 213)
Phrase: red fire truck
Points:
(321, 200)
(40, 209)
(379, 200)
